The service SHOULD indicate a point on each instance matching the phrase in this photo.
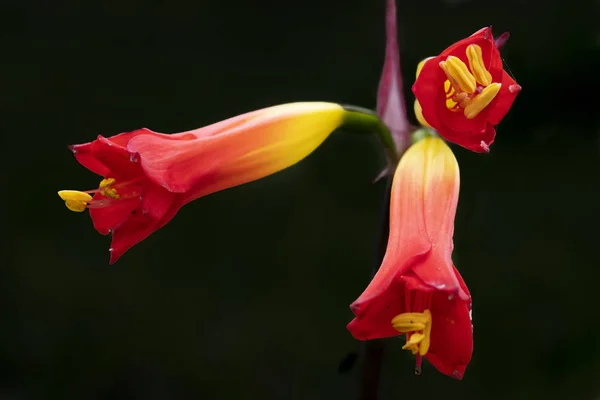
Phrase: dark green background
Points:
(245, 293)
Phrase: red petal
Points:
(374, 316)
(451, 334)
(472, 142)
(118, 160)
(158, 207)
(429, 90)
(84, 155)
(499, 107)
(489, 52)
(107, 218)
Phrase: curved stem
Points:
(365, 119)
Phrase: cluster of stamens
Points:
(417, 327)
(468, 88)
(78, 201)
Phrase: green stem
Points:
(422, 133)
(365, 119)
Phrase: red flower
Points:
(464, 103)
(417, 290)
(149, 176)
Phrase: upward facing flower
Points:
(464, 92)
(417, 290)
(149, 176)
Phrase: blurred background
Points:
(245, 293)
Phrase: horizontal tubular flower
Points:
(148, 176)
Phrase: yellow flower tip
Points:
(75, 200)
(419, 114)
(458, 74)
(421, 64)
(482, 100)
(481, 74)
(417, 326)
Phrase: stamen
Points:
(417, 326)
(462, 99)
(481, 74)
(450, 93)
(413, 342)
(100, 203)
(107, 190)
(482, 100)
(458, 74)
(75, 200)
(78, 201)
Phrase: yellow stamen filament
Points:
(78, 201)
(481, 74)
(482, 100)
(458, 74)
(417, 327)
(75, 200)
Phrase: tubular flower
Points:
(417, 291)
(464, 92)
(149, 176)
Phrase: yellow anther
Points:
(409, 322)
(419, 326)
(419, 114)
(106, 182)
(450, 92)
(412, 344)
(75, 200)
(107, 190)
(458, 74)
(482, 100)
(481, 74)
(448, 88)
(421, 64)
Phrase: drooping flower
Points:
(417, 291)
(465, 92)
(149, 176)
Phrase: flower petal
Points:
(86, 153)
(504, 100)
(267, 141)
(107, 218)
(451, 333)
(440, 199)
(158, 206)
